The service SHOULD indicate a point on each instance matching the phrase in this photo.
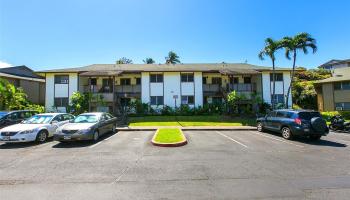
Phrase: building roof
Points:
(22, 71)
(341, 74)
(205, 67)
(334, 62)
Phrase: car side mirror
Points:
(54, 122)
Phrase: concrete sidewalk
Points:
(149, 128)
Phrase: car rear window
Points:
(308, 115)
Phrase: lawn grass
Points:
(210, 120)
(169, 135)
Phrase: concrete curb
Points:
(174, 144)
(194, 128)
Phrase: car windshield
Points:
(2, 114)
(86, 119)
(38, 119)
(309, 115)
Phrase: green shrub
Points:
(328, 115)
(167, 110)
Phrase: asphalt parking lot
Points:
(213, 165)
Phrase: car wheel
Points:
(96, 136)
(315, 137)
(41, 137)
(260, 127)
(113, 128)
(286, 133)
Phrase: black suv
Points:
(294, 123)
(8, 118)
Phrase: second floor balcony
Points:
(239, 87)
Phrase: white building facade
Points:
(162, 85)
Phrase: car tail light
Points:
(297, 121)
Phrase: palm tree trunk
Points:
(291, 78)
(273, 84)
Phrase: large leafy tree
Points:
(12, 98)
(124, 60)
(149, 61)
(292, 45)
(269, 50)
(304, 92)
(172, 58)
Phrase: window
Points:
(234, 80)
(157, 100)
(156, 78)
(138, 81)
(58, 118)
(204, 80)
(107, 85)
(61, 79)
(216, 80)
(187, 100)
(281, 114)
(186, 77)
(279, 98)
(217, 100)
(271, 114)
(61, 102)
(125, 81)
(343, 105)
(93, 81)
(278, 77)
(125, 101)
(67, 117)
(247, 80)
(342, 85)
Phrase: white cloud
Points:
(4, 64)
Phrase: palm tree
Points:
(172, 58)
(149, 61)
(300, 42)
(124, 60)
(271, 46)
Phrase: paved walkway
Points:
(144, 128)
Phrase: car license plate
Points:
(67, 137)
(6, 138)
(307, 130)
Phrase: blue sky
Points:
(69, 33)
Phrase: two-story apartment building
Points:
(334, 93)
(162, 84)
(335, 64)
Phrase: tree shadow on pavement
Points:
(321, 142)
(81, 144)
(21, 145)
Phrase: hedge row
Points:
(327, 115)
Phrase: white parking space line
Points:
(105, 139)
(231, 139)
(273, 138)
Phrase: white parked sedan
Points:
(37, 128)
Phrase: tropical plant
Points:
(172, 58)
(12, 98)
(149, 61)
(271, 47)
(304, 93)
(292, 45)
(79, 103)
(233, 100)
(124, 60)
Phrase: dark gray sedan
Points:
(87, 126)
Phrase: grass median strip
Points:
(210, 120)
(169, 137)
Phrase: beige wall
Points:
(341, 96)
(328, 97)
(34, 90)
(328, 101)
